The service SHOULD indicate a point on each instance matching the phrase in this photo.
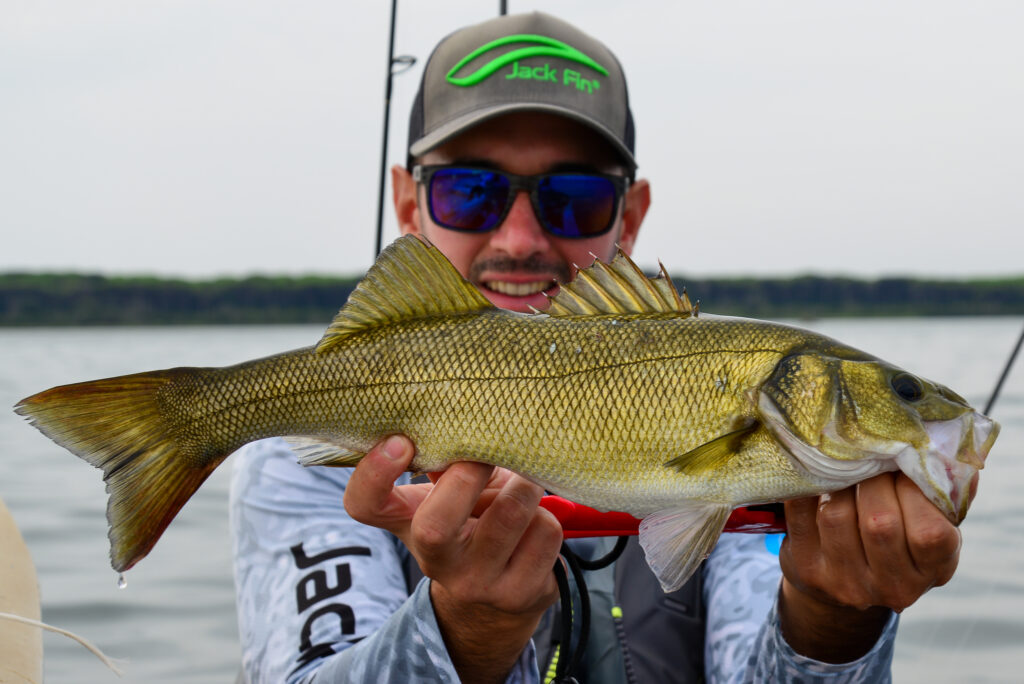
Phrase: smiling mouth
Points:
(519, 289)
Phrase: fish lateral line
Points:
(152, 464)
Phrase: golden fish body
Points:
(591, 410)
(618, 398)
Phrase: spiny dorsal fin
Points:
(410, 279)
(618, 288)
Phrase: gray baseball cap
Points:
(521, 62)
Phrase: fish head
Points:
(846, 419)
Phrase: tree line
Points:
(76, 299)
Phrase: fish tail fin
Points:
(119, 425)
(675, 541)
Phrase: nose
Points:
(520, 234)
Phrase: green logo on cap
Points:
(544, 47)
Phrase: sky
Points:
(205, 138)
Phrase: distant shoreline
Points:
(54, 299)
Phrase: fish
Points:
(621, 396)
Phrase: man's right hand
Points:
(478, 533)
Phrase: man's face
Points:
(516, 263)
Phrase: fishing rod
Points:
(1006, 372)
(404, 62)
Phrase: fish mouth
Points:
(946, 466)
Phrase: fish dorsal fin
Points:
(410, 279)
(618, 288)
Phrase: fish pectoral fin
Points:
(313, 451)
(713, 455)
(676, 540)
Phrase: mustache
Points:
(532, 264)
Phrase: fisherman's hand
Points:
(481, 537)
(851, 557)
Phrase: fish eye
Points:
(907, 387)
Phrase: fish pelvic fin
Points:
(321, 452)
(116, 424)
(618, 288)
(676, 540)
(712, 455)
(410, 279)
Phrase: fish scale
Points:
(637, 406)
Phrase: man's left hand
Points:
(850, 558)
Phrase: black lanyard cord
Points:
(569, 658)
(602, 562)
(563, 672)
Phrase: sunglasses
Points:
(476, 200)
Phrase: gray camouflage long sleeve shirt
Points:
(322, 598)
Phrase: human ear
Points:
(637, 202)
(404, 190)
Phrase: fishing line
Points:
(108, 661)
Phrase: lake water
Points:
(175, 621)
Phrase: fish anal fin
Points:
(410, 279)
(619, 287)
(676, 540)
(714, 454)
(315, 451)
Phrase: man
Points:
(502, 106)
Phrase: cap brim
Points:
(449, 130)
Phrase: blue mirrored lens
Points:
(576, 205)
(468, 199)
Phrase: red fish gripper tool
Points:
(583, 521)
